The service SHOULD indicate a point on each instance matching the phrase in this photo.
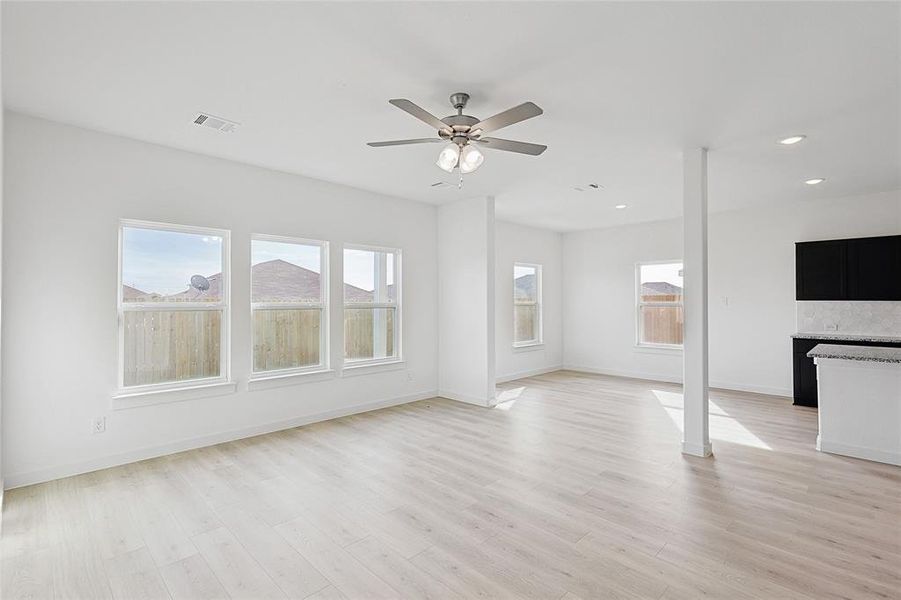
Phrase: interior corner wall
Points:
(521, 244)
(2, 183)
(751, 288)
(466, 320)
(66, 190)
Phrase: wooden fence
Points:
(285, 339)
(662, 324)
(524, 322)
(358, 338)
(171, 345)
(176, 345)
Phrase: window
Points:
(526, 305)
(173, 306)
(660, 316)
(371, 305)
(289, 287)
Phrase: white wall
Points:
(466, 232)
(751, 262)
(520, 244)
(66, 189)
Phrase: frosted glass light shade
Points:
(470, 159)
(448, 157)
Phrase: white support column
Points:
(695, 433)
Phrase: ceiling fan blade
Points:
(420, 113)
(512, 146)
(403, 142)
(524, 111)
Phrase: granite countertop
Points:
(862, 353)
(851, 337)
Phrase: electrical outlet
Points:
(831, 327)
(98, 424)
(409, 376)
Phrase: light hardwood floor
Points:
(574, 488)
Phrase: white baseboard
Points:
(627, 374)
(484, 402)
(755, 389)
(892, 458)
(714, 383)
(58, 472)
(529, 373)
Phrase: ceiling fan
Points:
(463, 133)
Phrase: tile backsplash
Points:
(878, 318)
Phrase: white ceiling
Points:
(624, 87)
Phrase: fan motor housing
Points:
(461, 125)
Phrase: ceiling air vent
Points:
(217, 123)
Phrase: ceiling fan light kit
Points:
(464, 132)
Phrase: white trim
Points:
(396, 305)
(626, 374)
(367, 367)
(639, 304)
(714, 384)
(483, 402)
(539, 305)
(528, 373)
(223, 305)
(528, 347)
(50, 473)
(129, 398)
(276, 379)
(322, 306)
(658, 348)
(892, 458)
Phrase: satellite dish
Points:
(200, 283)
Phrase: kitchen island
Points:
(859, 401)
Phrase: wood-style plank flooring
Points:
(573, 488)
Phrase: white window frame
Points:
(322, 305)
(539, 284)
(223, 305)
(639, 304)
(396, 305)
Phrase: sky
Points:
(164, 261)
(670, 272)
(302, 255)
(359, 268)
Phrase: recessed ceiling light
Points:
(815, 181)
(794, 139)
(620, 206)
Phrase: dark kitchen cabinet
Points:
(874, 268)
(855, 269)
(820, 270)
(804, 371)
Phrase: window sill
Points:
(265, 382)
(132, 399)
(368, 367)
(528, 347)
(658, 349)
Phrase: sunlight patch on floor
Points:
(507, 398)
(722, 426)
